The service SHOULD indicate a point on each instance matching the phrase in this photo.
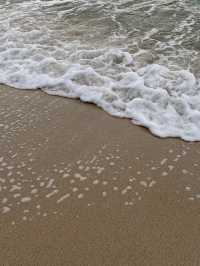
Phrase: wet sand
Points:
(79, 187)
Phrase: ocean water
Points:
(138, 59)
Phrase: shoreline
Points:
(80, 187)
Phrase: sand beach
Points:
(79, 187)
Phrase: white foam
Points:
(5, 209)
(164, 100)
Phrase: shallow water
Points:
(135, 59)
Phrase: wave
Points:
(164, 99)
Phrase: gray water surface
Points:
(166, 31)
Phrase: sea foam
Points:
(165, 100)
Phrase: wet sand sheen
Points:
(79, 187)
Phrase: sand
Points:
(79, 187)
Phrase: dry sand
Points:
(79, 187)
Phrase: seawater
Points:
(133, 58)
